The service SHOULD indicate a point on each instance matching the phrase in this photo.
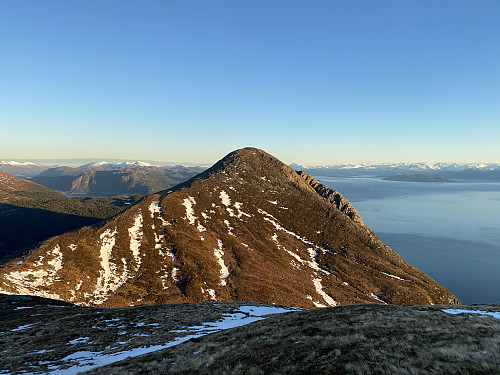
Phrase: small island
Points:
(418, 178)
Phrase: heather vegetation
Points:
(40, 336)
(357, 339)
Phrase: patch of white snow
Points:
(224, 271)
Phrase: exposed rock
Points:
(332, 196)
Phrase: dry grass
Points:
(54, 325)
(359, 339)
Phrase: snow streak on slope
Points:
(319, 289)
(29, 281)
(107, 280)
(313, 264)
(226, 201)
(154, 208)
(224, 271)
(135, 239)
(188, 203)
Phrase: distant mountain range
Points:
(445, 170)
(249, 228)
(114, 179)
(104, 178)
(25, 169)
(166, 176)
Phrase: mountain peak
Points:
(250, 228)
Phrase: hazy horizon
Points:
(72, 162)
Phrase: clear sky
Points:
(312, 82)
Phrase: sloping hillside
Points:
(30, 213)
(248, 229)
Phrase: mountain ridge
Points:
(248, 228)
(100, 180)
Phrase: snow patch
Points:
(174, 274)
(212, 294)
(224, 271)
(189, 202)
(394, 276)
(135, 239)
(87, 360)
(229, 227)
(78, 340)
(319, 289)
(30, 280)
(20, 328)
(226, 201)
(378, 298)
(154, 207)
(481, 313)
(238, 206)
(108, 279)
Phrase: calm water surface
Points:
(451, 231)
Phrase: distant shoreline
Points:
(418, 178)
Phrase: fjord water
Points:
(450, 231)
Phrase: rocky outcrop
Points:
(332, 196)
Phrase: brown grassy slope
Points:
(30, 213)
(280, 239)
(358, 339)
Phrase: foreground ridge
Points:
(182, 338)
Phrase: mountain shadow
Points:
(22, 227)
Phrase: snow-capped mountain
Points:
(125, 164)
(457, 170)
(248, 229)
(22, 169)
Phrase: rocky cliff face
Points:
(333, 197)
(250, 228)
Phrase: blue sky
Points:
(313, 82)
